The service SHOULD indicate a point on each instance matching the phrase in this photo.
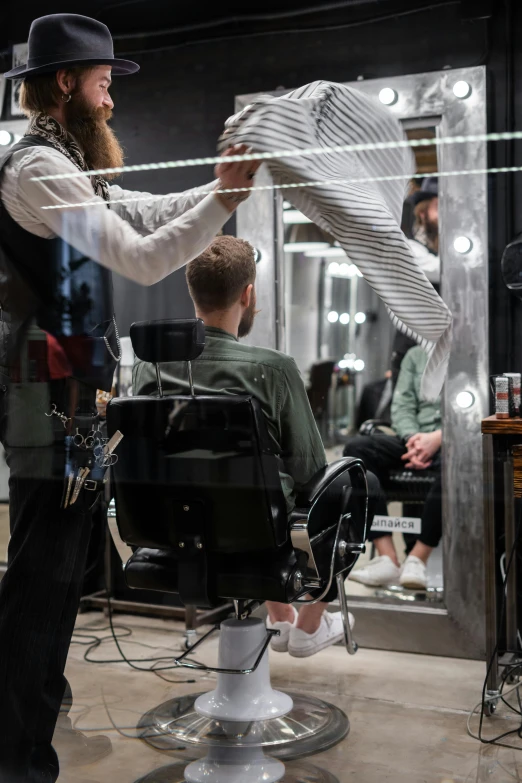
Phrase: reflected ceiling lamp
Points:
(388, 96)
(358, 365)
(465, 399)
(333, 316)
(462, 89)
(6, 138)
(329, 252)
(294, 217)
(462, 244)
(360, 318)
(344, 318)
(303, 247)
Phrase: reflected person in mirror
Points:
(222, 285)
(416, 446)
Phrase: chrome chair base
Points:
(312, 726)
(296, 772)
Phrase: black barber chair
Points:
(198, 494)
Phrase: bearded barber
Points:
(59, 342)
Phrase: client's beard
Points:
(100, 147)
(247, 321)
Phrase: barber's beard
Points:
(100, 147)
(247, 321)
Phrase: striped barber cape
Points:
(364, 216)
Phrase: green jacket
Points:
(227, 366)
(409, 413)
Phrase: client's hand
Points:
(421, 448)
(235, 175)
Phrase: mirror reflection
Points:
(363, 383)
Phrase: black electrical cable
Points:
(496, 740)
(290, 31)
(238, 18)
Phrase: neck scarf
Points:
(361, 214)
(48, 128)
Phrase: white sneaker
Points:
(330, 631)
(280, 643)
(414, 575)
(379, 572)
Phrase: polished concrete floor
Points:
(408, 713)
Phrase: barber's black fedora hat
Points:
(65, 40)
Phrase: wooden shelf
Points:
(494, 426)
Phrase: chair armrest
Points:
(308, 494)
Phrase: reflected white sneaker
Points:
(330, 631)
(379, 572)
(414, 575)
(280, 643)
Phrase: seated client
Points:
(416, 446)
(221, 284)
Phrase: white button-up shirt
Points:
(143, 240)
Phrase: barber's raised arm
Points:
(146, 212)
(103, 235)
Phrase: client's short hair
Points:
(217, 278)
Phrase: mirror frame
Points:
(457, 628)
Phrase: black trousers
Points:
(382, 453)
(40, 592)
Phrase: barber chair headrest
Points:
(180, 339)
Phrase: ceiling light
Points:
(388, 96)
(287, 205)
(360, 318)
(344, 364)
(5, 138)
(462, 244)
(329, 252)
(333, 316)
(302, 247)
(293, 217)
(462, 89)
(465, 399)
(352, 270)
(333, 268)
(344, 318)
(358, 365)
(343, 269)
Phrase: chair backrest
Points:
(194, 471)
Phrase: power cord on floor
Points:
(93, 642)
(510, 670)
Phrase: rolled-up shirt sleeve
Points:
(186, 223)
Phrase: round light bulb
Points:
(360, 318)
(352, 270)
(343, 364)
(465, 399)
(344, 318)
(343, 269)
(358, 365)
(333, 268)
(333, 316)
(5, 138)
(388, 96)
(462, 89)
(462, 245)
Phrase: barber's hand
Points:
(235, 175)
(421, 448)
